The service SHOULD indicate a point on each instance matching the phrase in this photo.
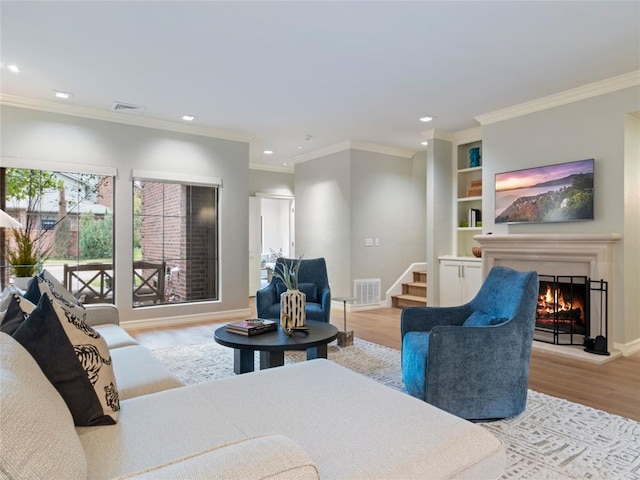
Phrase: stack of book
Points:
(475, 188)
(252, 327)
(473, 217)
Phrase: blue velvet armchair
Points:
(473, 360)
(312, 281)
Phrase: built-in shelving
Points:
(466, 177)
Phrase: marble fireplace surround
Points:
(588, 254)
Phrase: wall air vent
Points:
(127, 108)
(367, 291)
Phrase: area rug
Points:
(552, 439)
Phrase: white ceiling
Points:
(337, 71)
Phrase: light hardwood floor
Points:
(613, 387)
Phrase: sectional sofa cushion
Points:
(115, 336)
(270, 457)
(75, 359)
(38, 435)
(139, 372)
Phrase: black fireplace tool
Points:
(598, 345)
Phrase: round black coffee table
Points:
(272, 345)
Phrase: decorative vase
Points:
(21, 282)
(292, 310)
(474, 157)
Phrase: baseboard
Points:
(628, 348)
(185, 320)
(359, 308)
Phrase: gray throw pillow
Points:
(481, 319)
(310, 290)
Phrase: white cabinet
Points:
(460, 280)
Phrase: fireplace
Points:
(581, 256)
(562, 313)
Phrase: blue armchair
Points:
(312, 281)
(473, 360)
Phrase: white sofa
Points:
(310, 420)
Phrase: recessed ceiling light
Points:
(13, 68)
(268, 152)
(188, 118)
(425, 143)
(284, 163)
(299, 148)
(63, 95)
(426, 118)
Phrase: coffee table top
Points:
(319, 333)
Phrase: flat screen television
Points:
(551, 193)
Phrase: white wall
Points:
(54, 138)
(591, 128)
(348, 196)
(631, 236)
(439, 212)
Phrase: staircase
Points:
(414, 294)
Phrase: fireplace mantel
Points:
(595, 251)
(587, 254)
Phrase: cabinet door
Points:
(450, 283)
(472, 272)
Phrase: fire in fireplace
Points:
(563, 309)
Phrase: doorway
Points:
(271, 234)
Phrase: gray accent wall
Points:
(598, 128)
(323, 214)
(271, 183)
(344, 198)
(54, 138)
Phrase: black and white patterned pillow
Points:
(75, 359)
(47, 283)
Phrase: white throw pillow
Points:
(5, 298)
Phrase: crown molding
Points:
(271, 168)
(353, 145)
(322, 152)
(115, 117)
(627, 80)
(467, 136)
(383, 149)
(435, 134)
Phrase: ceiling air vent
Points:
(127, 108)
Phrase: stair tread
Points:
(417, 284)
(411, 297)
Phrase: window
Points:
(69, 215)
(48, 223)
(175, 242)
